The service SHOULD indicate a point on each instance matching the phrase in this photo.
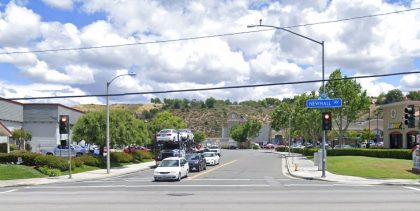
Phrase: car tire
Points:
(179, 177)
(205, 167)
(186, 175)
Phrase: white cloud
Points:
(18, 26)
(45, 90)
(60, 4)
(361, 47)
(410, 82)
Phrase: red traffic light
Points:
(327, 116)
(63, 119)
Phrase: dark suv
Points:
(196, 161)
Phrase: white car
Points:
(211, 158)
(172, 168)
(167, 135)
(186, 135)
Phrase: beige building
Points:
(396, 134)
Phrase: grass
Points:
(369, 167)
(9, 172)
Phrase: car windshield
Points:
(208, 155)
(192, 157)
(183, 130)
(169, 163)
(165, 131)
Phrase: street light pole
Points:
(323, 79)
(108, 150)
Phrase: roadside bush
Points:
(28, 158)
(142, 155)
(121, 157)
(53, 162)
(50, 172)
(146, 155)
(77, 162)
(91, 160)
(379, 153)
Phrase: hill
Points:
(210, 120)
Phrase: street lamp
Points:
(323, 79)
(108, 157)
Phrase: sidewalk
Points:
(299, 166)
(89, 175)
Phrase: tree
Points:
(367, 135)
(210, 102)
(413, 95)
(243, 132)
(124, 129)
(393, 96)
(165, 120)
(199, 136)
(354, 100)
(21, 136)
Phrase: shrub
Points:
(121, 157)
(28, 158)
(50, 172)
(379, 153)
(146, 155)
(91, 160)
(53, 162)
(77, 162)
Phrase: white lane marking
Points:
(213, 169)
(411, 188)
(8, 191)
(326, 185)
(143, 186)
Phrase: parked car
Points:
(167, 135)
(211, 158)
(172, 168)
(269, 146)
(132, 149)
(196, 162)
(63, 151)
(342, 147)
(297, 146)
(186, 135)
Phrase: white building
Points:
(40, 119)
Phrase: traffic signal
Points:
(409, 118)
(64, 124)
(326, 121)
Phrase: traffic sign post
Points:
(324, 103)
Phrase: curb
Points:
(328, 180)
(56, 180)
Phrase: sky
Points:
(371, 46)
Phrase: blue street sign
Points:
(324, 103)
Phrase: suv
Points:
(196, 162)
(63, 151)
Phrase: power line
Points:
(206, 36)
(214, 88)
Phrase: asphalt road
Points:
(245, 180)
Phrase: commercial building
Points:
(397, 135)
(40, 119)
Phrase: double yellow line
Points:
(213, 169)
